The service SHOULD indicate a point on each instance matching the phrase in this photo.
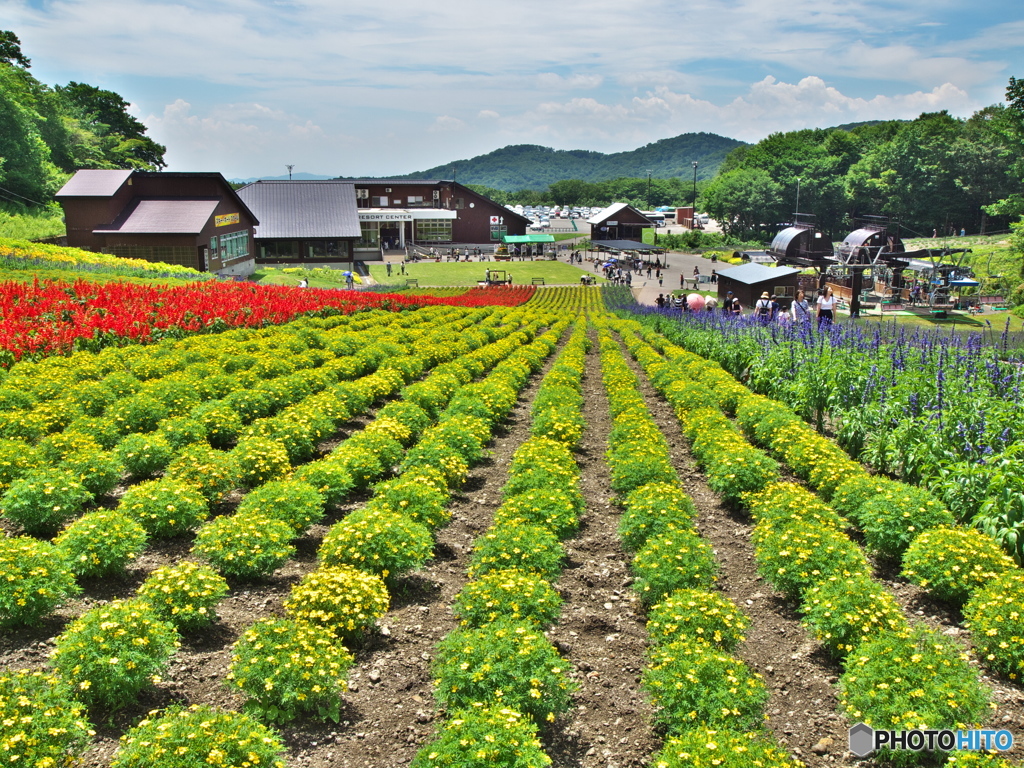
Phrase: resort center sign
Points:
(385, 216)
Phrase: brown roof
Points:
(180, 216)
(94, 183)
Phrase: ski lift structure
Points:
(874, 248)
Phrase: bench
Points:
(413, 282)
(537, 281)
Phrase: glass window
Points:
(323, 249)
(434, 230)
(279, 249)
(234, 245)
(370, 235)
(379, 202)
(498, 232)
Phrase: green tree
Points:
(10, 50)
(106, 113)
(747, 201)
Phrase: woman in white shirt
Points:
(826, 308)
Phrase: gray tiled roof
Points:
(180, 216)
(750, 274)
(94, 183)
(292, 209)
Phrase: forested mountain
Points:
(528, 166)
(937, 173)
(48, 133)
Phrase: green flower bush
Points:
(484, 737)
(182, 431)
(653, 509)
(166, 508)
(894, 518)
(289, 668)
(259, 461)
(44, 500)
(98, 470)
(673, 560)
(101, 543)
(514, 595)
(100, 429)
(950, 563)
(385, 543)
(298, 504)
(17, 459)
(137, 413)
(220, 422)
(344, 598)
(996, 621)
(330, 479)
(844, 611)
(143, 455)
(435, 455)
(245, 546)
(695, 614)
(214, 473)
(739, 469)
(43, 723)
(185, 594)
(409, 414)
(549, 508)
(918, 680)
(184, 738)
(114, 651)
(543, 453)
(416, 497)
(361, 463)
(703, 747)
(851, 495)
(54, 448)
(502, 664)
(36, 579)
(383, 445)
(795, 557)
(692, 683)
(525, 547)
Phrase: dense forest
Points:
(528, 166)
(936, 174)
(48, 133)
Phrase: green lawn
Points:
(469, 273)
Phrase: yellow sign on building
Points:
(225, 219)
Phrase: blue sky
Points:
(245, 87)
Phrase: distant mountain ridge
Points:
(530, 166)
(285, 177)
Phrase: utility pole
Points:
(289, 167)
(693, 224)
(649, 189)
(797, 199)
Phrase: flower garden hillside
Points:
(505, 528)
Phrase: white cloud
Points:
(447, 123)
(488, 114)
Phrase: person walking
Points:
(826, 308)
(389, 268)
(763, 308)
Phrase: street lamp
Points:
(797, 197)
(648, 189)
(694, 223)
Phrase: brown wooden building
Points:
(303, 221)
(619, 221)
(748, 281)
(396, 213)
(192, 219)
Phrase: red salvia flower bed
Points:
(56, 318)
